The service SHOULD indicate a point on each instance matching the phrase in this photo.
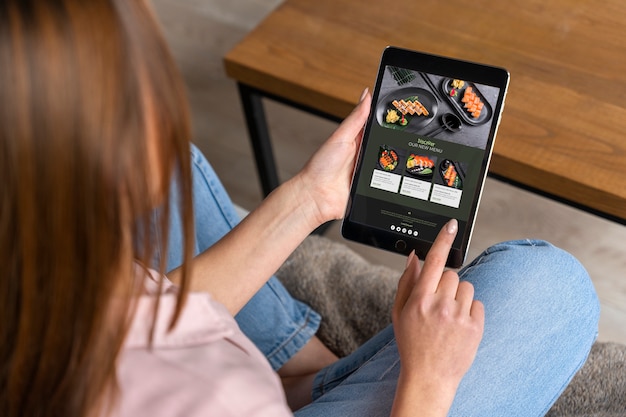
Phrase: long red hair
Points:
(82, 84)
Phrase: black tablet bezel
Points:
(442, 66)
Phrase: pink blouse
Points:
(204, 367)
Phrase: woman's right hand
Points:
(438, 326)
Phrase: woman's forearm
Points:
(234, 269)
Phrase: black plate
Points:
(443, 166)
(486, 112)
(417, 171)
(416, 123)
(395, 159)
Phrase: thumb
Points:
(352, 125)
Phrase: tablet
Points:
(425, 152)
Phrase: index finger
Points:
(436, 259)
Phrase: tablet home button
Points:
(400, 245)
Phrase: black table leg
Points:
(251, 100)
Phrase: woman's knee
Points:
(537, 274)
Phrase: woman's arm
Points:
(438, 326)
(234, 269)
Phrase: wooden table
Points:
(563, 132)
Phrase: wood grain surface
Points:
(563, 131)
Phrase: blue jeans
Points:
(278, 324)
(541, 316)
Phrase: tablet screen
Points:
(425, 153)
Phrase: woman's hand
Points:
(438, 326)
(326, 176)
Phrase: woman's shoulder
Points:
(204, 366)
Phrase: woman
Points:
(93, 127)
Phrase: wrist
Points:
(429, 396)
(302, 200)
(316, 203)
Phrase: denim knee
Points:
(538, 269)
(278, 324)
(541, 319)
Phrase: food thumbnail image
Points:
(468, 101)
(409, 107)
(452, 174)
(387, 158)
(420, 166)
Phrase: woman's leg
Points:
(278, 324)
(541, 320)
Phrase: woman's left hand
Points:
(326, 177)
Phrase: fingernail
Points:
(410, 258)
(364, 94)
(452, 226)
